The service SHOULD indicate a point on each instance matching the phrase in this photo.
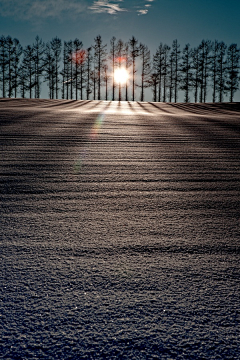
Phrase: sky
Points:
(150, 21)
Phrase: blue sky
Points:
(150, 21)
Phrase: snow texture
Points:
(119, 230)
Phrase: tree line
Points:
(74, 72)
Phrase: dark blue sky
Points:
(151, 21)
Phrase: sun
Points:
(121, 76)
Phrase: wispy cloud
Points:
(35, 10)
(113, 6)
(145, 7)
(30, 9)
(106, 6)
(142, 11)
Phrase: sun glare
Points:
(121, 76)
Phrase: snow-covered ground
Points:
(120, 229)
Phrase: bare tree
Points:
(119, 53)
(233, 57)
(221, 71)
(171, 76)
(166, 50)
(49, 69)
(158, 68)
(100, 55)
(153, 84)
(9, 59)
(204, 61)
(207, 67)
(195, 72)
(17, 52)
(94, 76)
(38, 55)
(127, 66)
(146, 68)
(70, 81)
(176, 60)
(82, 56)
(106, 78)
(56, 46)
(186, 72)
(215, 48)
(65, 71)
(3, 64)
(28, 65)
(113, 61)
(23, 80)
(201, 68)
(77, 60)
(133, 55)
(89, 60)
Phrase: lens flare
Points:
(79, 162)
(78, 57)
(97, 126)
(120, 59)
(93, 136)
(121, 76)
